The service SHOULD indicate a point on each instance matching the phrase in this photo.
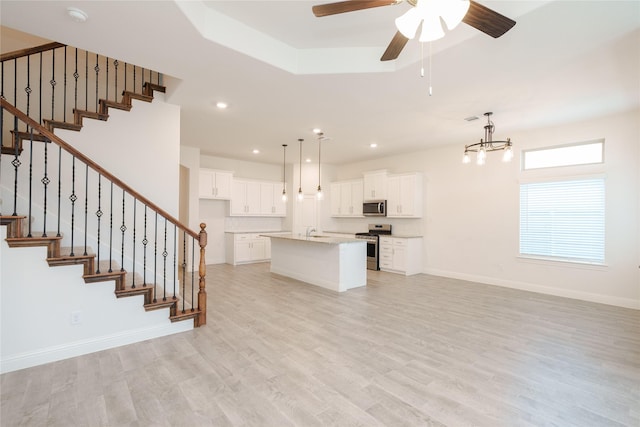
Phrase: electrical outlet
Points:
(76, 317)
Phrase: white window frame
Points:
(556, 147)
(564, 259)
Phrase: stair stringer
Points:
(37, 303)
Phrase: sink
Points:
(321, 237)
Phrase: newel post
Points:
(202, 293)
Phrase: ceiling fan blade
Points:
(348, 6)
(486, 20)
(395, 47)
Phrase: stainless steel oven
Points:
(373, 243)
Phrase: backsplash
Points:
(236, 223)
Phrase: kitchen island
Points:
(334, 263)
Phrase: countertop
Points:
(258, 231)
(331, 240)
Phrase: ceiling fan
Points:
(478, 16)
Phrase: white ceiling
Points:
(284, 71)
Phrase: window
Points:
(563, 220)
(584, 153)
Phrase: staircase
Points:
(101, 223)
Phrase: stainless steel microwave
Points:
(374, 208)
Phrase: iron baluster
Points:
(97, 70)
(15, 86)
(73, 199)
(64, 92)
(86, 205)
(28, 88)
(144, 244)
(99, 215)
(175, 250)
(52, 82)
(59, 185)
(125, 76)
(155, 261)
(40, 91)
(76, 75)
(16, 164)
(123, 228)
(111, 228)
(106, 92)
(193, 270)
(30, 180)
(164, 268)
(86, 80)
(115, 91)
(184, 266)
(134, 78)
(45, 181)
(133, 284)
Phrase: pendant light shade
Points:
(300, 193)
(284, 173)
(319, 194)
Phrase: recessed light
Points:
(308, 160)
(76, 14)
(317, 130)
(373, 145)
(221, 105)
(256, 151)
(471, 118)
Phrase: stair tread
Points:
(50, 124)
(105, 103)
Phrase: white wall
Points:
(471, 214)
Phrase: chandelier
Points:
(488, 144)
(429, 12)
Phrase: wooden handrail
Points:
(93, 165)
(30, 51)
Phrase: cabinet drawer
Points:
(399, 242)
(386, 249)
(386, 240)
(386, 264)
(243, 237)
(386, 257)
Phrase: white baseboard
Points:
(541, 289)
(79, 348)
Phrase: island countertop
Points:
(331, 240)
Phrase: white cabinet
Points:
(244, 248)
(215, 184)
(404, 197)
(257, 198)
(375, 185)
(245, 198)
(401, 255)
(346, 198)
(271, 203)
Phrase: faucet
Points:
(309, 231)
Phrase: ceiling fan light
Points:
(431, 28)
(409, 22)
(452, 12)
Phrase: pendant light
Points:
(319, 194)
(487, 145)
(300, 194)
(284, 173)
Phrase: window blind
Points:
(563, 219)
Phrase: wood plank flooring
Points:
(417, 351)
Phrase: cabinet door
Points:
(243, 251)
(258, 249)
(375, 186)
(336, 198)
(253, 198)
(239, 198)
(206, 186)
(223, 185)
(279, 207)
(266, 199)
(393, 197)
(346, 206)
(356, 198)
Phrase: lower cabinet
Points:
(244, 248)
(401, 255)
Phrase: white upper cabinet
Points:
(271, 203)
(257, 198)
(404, 197)
(215, 184)
(346, 198)
(375, 185)
(245, 200)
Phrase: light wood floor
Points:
(418, 351)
